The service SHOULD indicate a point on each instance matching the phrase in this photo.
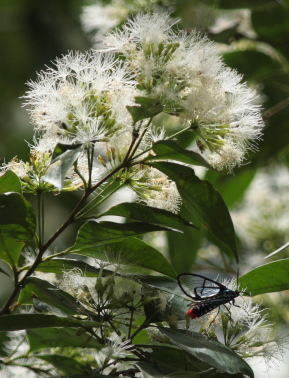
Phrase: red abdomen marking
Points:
(191, 314)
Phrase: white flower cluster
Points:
(79, 101)
(251, 334)
(188, 77)
(98, 18)
(85, 100)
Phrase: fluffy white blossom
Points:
(97, 18)
(31, 173)
(77, 101)
(236, 18)
(154, 188)
(187, 76)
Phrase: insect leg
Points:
(233, 302)
(214, 318)
(228, 310)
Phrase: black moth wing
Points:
(200, 288)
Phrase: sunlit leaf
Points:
(267, 278)
(59, 265)
(10, 182)
(62, 164)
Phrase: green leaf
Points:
(208, 350)
(10, 182)
(144, 336)
(41, 306)
(62, 148)
(43, 338)
(28, 321)
(267, 278)
(59, 265)
(149, 215)
(66, 365)
(17, 225)
(93, 234)
(149, 370)
(204, 202)
(183, 248)
(171, 360)
(130, 250)
(148, 107)
(232, 187)
(62, 163)
(4, 272)
(160, 282)
(15, 210)
(50, 294)
(170, 150)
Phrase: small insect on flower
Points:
(207, 294)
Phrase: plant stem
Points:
(96, 201)
(43, 248)
(277, 108)
(168, 138)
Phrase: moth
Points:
(207, 294)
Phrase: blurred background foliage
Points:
(253, 37)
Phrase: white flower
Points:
(186, 75)
(153, 135)
(31, 172)
(154, 187)
(115, 349)
(76, 101)
(100, 18)
(239, 18)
